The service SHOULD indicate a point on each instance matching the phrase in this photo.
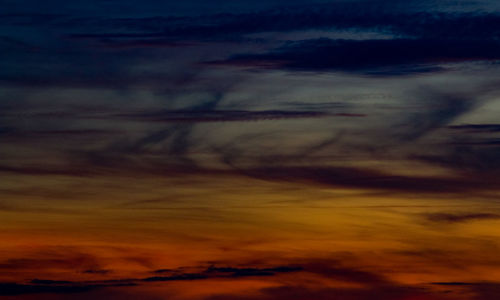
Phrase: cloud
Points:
(49, 282)
(370, 179)
(460, 218)
(186, 276)
(43, 169)
(332, 269)
(58, 257)
(300, 292)
(439, 109)
(97, 271)
(10, 289)
(375, 57)
(221, 272)
(38, 286)
(480, 290)
(369, 284)
(350, 177)
(199, 116)
(476, 128)
(476, 157)
(243, 272)
(331, 16)
(19, 135)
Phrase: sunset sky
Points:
(250, 150)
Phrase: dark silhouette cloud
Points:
(221, 272)
(299, 292)
(10, 289)
(42, 286)
(476, 128)
(453, 283)
(376, 57)
(334, 270)
(460, 218)
(476, 157)
(333, 16)
(480, 290)
(49, 282)
(186, 276)
(196, 116)
(350, 177)
(241, 272)
(97, 271)
(370, 179)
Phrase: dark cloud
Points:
(186, 276)
(39, 286)
(145, 43)
(10, 289)
(243, 272)
(196, 116)
(372, 285)
(371, 179)
(221, 272)
(334, 270)
(97, 271)
(328, 269)
(428, 38)
(477, 127)
(377, 57)
(486, 290)
(476, 157)
(479, 142)
(332, 16)
(49, 282)
(480, 290)
(15, 135)
(42, 169)
(299, 292)
(162, 271)
(452, 283)
(327, 176)
(460, 218)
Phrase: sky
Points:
(250, 150)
